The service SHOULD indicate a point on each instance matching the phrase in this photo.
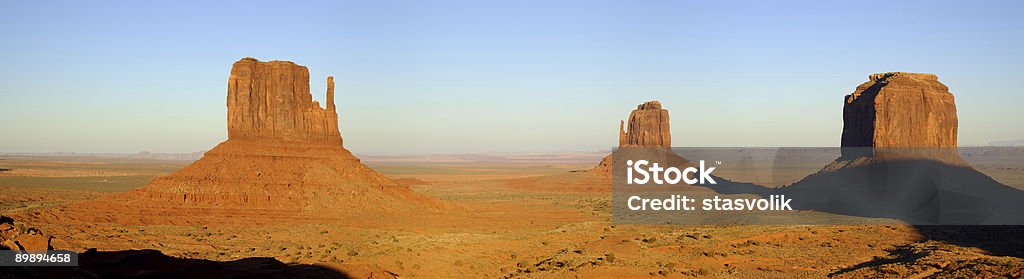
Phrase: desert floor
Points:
(512, 220)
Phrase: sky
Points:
(433, 77)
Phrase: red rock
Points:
(283, 152)
(648, 127)
(19, 238)
(34, 242)
(900, 110)
(6, 230)
(271, 101)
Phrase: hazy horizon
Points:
(458, 77)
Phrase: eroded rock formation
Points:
(283, 151)
(899, 110)
(648, 126)
(271, 101)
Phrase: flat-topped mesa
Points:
(899, 110)
(271, 101)
(648, 126)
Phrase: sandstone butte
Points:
(284, 151)
(899, 110)
(899, 160)
(648, 126)
(898, 116)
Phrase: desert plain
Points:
(507, 216)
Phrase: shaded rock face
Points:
(271, 101)
(897, 109)
(648, 127)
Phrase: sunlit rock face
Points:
(648, 127)
(271, 101)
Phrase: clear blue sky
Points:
(496, 76)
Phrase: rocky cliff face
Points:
(896, 110)
(648, 127)
(19, 238)
(271, 101)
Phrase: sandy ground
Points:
(515, 220)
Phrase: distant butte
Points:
(648, 126)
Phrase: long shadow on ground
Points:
(941, 195)
(154, 264)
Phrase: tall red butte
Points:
(284, 151)
(900, 109)
(648, 127)
(900, 115)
